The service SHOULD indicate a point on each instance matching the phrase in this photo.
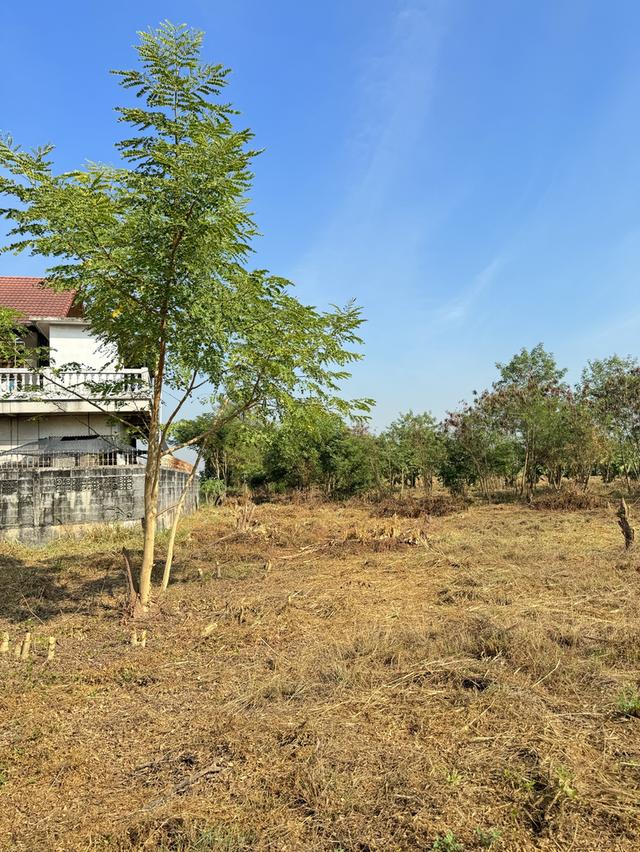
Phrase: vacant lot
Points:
(322, 677)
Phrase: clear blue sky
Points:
(468, 171)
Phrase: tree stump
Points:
(625, 525)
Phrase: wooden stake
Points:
(51, 651)
(624, 523)
(26, 646)
(134, 594)
(4, 647)
(143, 639)
(134, 637)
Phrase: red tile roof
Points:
(32, 298)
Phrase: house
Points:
(77, 393)
(67, 456)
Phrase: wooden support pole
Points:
(51, 649)
(4, 646)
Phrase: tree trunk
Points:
(151, 485)
(625, 524)
(150, 525)
(174, 526)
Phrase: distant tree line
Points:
(529, 427)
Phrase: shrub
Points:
(568, 500)
(447, 843)
(629, 702)
(488, 837)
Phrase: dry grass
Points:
(348, 682)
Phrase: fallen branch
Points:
(186, 783)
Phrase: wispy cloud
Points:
(457, 310)
(393, 97)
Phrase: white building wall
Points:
(75, 343)
(15, 431)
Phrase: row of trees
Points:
(157, 249)
(529, 426)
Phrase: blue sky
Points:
(468, 171)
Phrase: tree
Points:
(157, 248)
(314, 447)
(13, 350)
(477, 449)
(232, 454)
(414, 448)
(611, 389)
(523, 399)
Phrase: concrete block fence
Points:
(39, 504)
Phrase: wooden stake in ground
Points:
(26, 647)
(135, 606)
(51, 650)
(4, 647)
(176, 518)
(624, 523)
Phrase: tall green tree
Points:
(414, 448)
(523, 399)
(611, 389)
(157, 248)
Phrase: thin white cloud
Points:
(457, 310)
(393, 98)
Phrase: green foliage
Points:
(314, 447)
(477, 449)
(13, 349)
(487, 838)
(629, 702)
(447, 843)
(309, 447)
(212, 490)
(411, 450)
(530, 424)
(157, 247)
(611, 389)
(233, 451)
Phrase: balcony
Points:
(27, 391)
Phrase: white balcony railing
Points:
(25, 384)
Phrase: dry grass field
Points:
(329, 677)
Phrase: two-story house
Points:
(51, 406)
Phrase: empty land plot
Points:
(322, 677)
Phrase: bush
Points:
(629, 702)
(568, 500)
(447, 843)
(213, 490)
(415, 507)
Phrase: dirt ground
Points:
(321, 677)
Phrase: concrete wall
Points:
(75, 343)
(38, 505)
